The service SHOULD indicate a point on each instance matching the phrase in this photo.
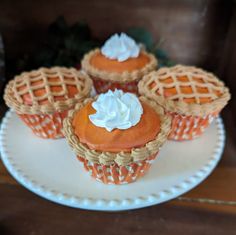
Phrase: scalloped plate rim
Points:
(114, 205)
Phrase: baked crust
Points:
(67, 76)
(175, 103)
(123, 77)
(120, 158)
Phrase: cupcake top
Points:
(185, 90)
(47, 90)
(120, 59)
(117, 128)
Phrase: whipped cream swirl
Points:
(120, 48)
(116, 110)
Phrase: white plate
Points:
(50, 169)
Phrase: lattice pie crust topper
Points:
(54, 82)
(154, 85)
(114, 76)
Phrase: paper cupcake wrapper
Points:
(102, 86)
(115, 174)
(47, 126)
(188, 127)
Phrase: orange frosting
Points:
(101, 62)
(99, 138)
(27, 98)
(168, 92)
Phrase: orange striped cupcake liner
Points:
(115, 174)
(189, 127)
(102, 86)
(47, 126)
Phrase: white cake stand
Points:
(50, 169)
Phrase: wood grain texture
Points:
(196, 32)
(29, 214)
(193, 32)
(226, 68)
(23, 212)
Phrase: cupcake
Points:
(191, 96)
(42, 98)
(119, 64)
(116, 135)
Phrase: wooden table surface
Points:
(210, 208)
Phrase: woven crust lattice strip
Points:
(121, 158)
(197, 78)
(40, 79)
(118, 77)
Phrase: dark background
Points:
(201, 32)
(196, 32)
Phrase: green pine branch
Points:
(65, 45)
